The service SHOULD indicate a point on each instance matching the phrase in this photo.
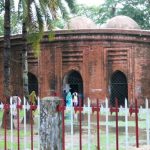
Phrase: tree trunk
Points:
(25, 71)
(6, 51)
(6, 63)
(25, 62)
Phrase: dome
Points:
(80, 22)
(121, 22)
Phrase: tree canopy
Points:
(52, 12)
(15, 22)
(138, 10)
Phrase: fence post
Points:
(107, 125)
(136, 123)
(50, 124)
(25, 127)
(97, 109)
(72, 112)
(147, 122)
(126, 123)
(89, 125)
(116, 110)
(11, 113)
(136, 111)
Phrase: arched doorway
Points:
(119, 88)
(74, 80)
(32, 83)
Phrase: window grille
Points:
(119, 88)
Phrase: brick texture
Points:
(94, 54)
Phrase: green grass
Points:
(112, 144)
(15, 133)
(112, 134)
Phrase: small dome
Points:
(80, 22)
(121, 22)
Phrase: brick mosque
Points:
(97, 62)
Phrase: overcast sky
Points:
(90, 2)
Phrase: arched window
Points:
(119, 88)
(75, 82)
(32, 83)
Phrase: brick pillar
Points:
(50, 124)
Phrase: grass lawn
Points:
(21, 132)
(112, 135)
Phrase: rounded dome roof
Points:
(121, 22)
(80, 22)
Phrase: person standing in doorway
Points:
(75, 99)
(68, 96)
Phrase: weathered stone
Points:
(50, 124)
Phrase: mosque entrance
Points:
(32, 83)
(75, 83)
(119, 88)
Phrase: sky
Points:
(90, 2)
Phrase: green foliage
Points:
(1, 26)
(34, 39)
(138, 10)
(45, 13)
(71, 5)
(15, 23)
(92, 12)
(51, 36)
(1, 5)
(59, 23)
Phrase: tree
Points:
(6, 7)
(14, 21)
(138, 10)
(33, 28)
(6, 63)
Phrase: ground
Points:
(112, 136)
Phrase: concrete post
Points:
(50, 124)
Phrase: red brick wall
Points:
(95, 54)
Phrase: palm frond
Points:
(20, 9)
(53, 7)
(12, 4)
(72, 5)
(62, 9)
(2, 5)
(39, 18)
(23, 3)
(37, 30)
(46, 13)
(34, 39)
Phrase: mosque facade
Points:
(110, 61)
